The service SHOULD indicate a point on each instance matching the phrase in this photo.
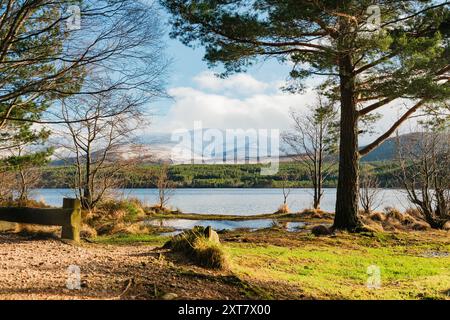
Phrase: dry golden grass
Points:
(284, 208)
(394, 220)
(32, 230)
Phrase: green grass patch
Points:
(319, 269)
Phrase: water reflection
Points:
(184, 224)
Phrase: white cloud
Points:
(242, 101)
(242, 83)
(257, 111)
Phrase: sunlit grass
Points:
(318, 269)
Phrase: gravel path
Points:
(38, 269)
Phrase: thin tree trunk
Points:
(87, 192)
(319, 172)
(23, 188)
(346, 217)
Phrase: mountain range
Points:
(178, 148)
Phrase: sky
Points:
(251, 100)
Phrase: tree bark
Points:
(86, 202)
(346, 216)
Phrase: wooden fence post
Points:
(71, 230)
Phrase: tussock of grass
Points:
(197, 247)
(209, 254)
(126, 210)
(116, 216)
(392, 219)
(284, 208)
(316, 214)
(163, 211)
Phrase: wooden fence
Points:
(68, 217)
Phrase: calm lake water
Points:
(232, 201)
(183, 224)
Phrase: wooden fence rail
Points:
(68, 217)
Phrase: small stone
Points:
(446, 226)
(212, 235)
(169, 296)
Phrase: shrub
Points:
(111, 216)
(127, 210)
(31, 203)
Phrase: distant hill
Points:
(387, 150)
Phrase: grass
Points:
(336, 268)
(283, 265)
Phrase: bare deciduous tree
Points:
(94, 146)
(313, 140)
(286, 189)
(166, 187)
(53, 53)
(425, 174)
(368, 190)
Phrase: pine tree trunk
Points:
(346, 217)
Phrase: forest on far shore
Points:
(291, 174)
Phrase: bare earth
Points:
(38, 269)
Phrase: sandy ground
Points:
(38, 269)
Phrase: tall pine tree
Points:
(404, 56)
